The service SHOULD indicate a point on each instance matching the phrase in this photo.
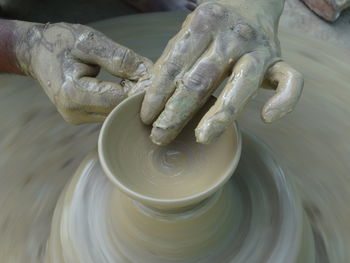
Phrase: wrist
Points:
(17, 39)
(8, 41)
(27, 36)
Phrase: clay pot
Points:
(177, 175)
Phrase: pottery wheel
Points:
(255, 217)
(39, 152)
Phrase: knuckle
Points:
(254, 62)
(208, 16)
(85, 33)
(244, 31)
(228, 49)
(197, 82)
(204, 77)
(89, 41)
(211, 11)
(230, 111)
(173, 68)
(121, 56)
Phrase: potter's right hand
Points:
(66, 58)
(224, 38)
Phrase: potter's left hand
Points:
(226, 37)
(66, 58)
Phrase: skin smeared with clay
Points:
(328, 9)
(66, 58)
(219, 39)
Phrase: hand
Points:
(226, 38)
(66, 58)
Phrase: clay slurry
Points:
(174, 159)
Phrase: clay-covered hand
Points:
(232, 38)
(66, 58)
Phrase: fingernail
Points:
(141, 70)
(209, 132)
(161, 136)
(144, 67)
(272, 115)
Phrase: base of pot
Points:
(255, 217)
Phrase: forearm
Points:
(11, 35)
(8, 60)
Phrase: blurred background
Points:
(296, 15)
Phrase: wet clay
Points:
(239, 42)
(66, 58)
(40, 152)
(179, 170)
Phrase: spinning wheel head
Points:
(177, 175)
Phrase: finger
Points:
(192, 92)
(87, 99)
(245, 80)
(93, 47)
(179, 56)
(289, 89)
